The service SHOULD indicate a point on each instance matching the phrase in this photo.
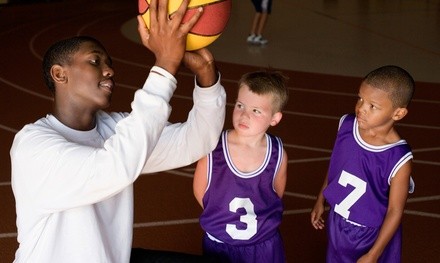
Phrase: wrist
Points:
(205, 80)
(170, 66)
(208, 76)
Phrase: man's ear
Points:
(58, 74)
(399, 113)
(276, 118)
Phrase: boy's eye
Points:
(257, 111)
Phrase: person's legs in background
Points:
(263, 9)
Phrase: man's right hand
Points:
(166, 37)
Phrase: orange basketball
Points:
(208, 28)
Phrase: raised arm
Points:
(184, 143)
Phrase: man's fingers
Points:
(153, 12)
(205, 54)
(162, 15)
(143, 30)
(193, 20)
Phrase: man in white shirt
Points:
(73, 170)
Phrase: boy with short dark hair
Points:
(369, 176)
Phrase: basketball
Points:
(208, 28)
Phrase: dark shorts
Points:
(262, 6)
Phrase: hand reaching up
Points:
(166, 37)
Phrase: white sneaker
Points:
(259, 40)
(250, 38)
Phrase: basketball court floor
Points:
(324, 46)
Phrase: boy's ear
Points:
(58, 74)
(399, 113)
(276, 118)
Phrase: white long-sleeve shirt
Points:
(73, 189)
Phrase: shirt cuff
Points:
(163, 72)
(213, 85)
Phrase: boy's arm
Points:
(318, 209)
(397, 200)
(281, 177)
(200, 181)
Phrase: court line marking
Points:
(9, 129)
(426, 149)
(22, 89)
(424, 199)
(309, 160)
(298, 195)
(422, 214)
(8, 235)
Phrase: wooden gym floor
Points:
(324, 46)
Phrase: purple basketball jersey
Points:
(359, 175)
(242, 208)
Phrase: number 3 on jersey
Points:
(250, 219)
(360, 186)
